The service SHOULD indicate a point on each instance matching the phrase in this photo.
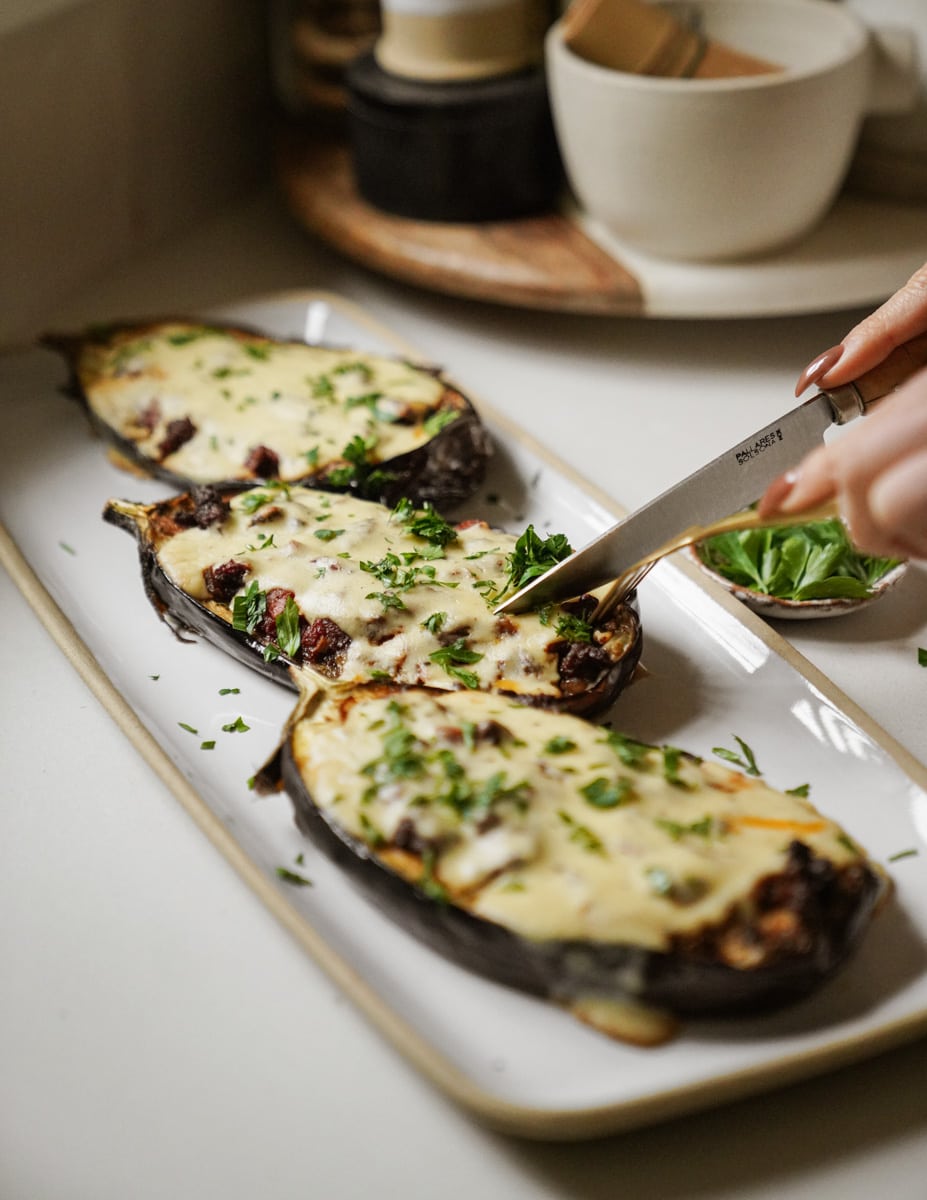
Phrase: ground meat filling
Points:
(148, 418)
(790, 914)
(225, 579)
(176, 434)
(202, 507)
(324, 644)
(263, 462)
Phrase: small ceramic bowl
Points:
(777, 609)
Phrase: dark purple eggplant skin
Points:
(688, 980)
(184, 614)
(447, 470)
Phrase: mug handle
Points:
(895, 83)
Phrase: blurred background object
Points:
(652, 39)
(714, 169)
(891, 159)
(448, 115)
(312, 43)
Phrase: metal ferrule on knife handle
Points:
(852, 399)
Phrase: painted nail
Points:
(772, 499)
(818, 368)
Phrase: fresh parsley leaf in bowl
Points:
(798, 570)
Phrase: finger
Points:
(902, 317)
(897, 503)
(812, 482)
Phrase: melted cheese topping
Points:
(539, 825)
(305, 403)
(315, 544)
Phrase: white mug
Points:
(725, 168)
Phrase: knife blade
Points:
(729, 482)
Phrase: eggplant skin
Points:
(589, 680)
(794, 931)
(444, 470)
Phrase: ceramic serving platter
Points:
(714, 672)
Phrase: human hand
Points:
(877, 470)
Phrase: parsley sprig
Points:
(425, 523)
(452, 656)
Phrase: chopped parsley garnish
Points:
(236, 726)
(359, 471)
(747, 763)
(607, 793)
(230, 691)
(580, 835)
(399, 576)
(185, 337)
(426, 524)
(451, 659)
(371, 833)
(252, 501)
(249, 608)
(909, 853)
(354, 367)
(288, 633)
(573, 629)
(189, 728)
(533, 555)
(257, 350)
(67, 549)
(802, 790)
(210, 745)
(370, 401)
(326, 535)
(312, 456)
(292, 877)
(435, 623)
(631, 752)
(387, 598)
(437, 775)
(428, 882)
(560, 745)
(436, 421)
(672, 758)
(703, 828)
(921, 656)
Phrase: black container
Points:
(482, 150)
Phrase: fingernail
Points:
(818, 368)
(774, 497)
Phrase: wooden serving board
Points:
(544, 262)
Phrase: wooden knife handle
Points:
(856, 398)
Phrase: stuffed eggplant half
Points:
(569, 861)
(357, 592)
(194, 404)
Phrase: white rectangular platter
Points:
(713, 671)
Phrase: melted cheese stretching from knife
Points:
(314, 545)
(241, 391)
(540, 826)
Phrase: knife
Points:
(729, 482)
